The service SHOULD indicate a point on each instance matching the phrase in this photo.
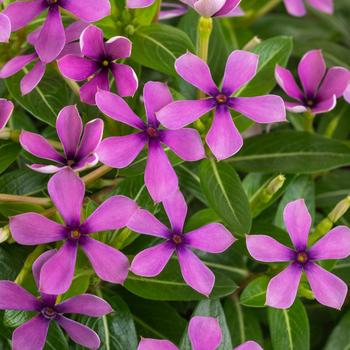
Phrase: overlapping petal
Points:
(5, 28)
(125, 78)
(88, 10)
(176, 209)
(6, 109)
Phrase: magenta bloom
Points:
(223, 138)
(99, 59)
(204, 333)
(297, 7)
(67, 191)
(33, 78)
(321, 87)
(31, 335)
(79, 147)
(6, 109)
(211, 238)
(5, 28)
(328, 289)
(51, 39)
(120, 151)
(347, 93)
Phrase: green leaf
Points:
(14, 318)
(157, 46)
(291, 152)
(339, 339)
(254, 294)
(56, 339)
(223, 189)
(211, 308)
(289, 328)
(9, 153)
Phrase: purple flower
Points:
(99, 59)
(79, 147)
(51, 39)
(31, 335)
(204, 333)
(214, 8)
(347, 93)
(223, 138)
(33, 78)
(5, 28)
(211, 238)
(6, 109)
(67, 191)
(120, 151)
(328, 289)
(321, 87)
(297, 7)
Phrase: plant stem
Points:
(308, 122)
(332, 126)
(24, 199)
(96, 174)
(266, 9)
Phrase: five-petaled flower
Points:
(328, 289)
(52, 38)
(297, 7)
(67, 191)
(99, 59)
(6, 109)
(204, 333)
(120, 151)
(321, 87)
(223, 138)
(31, 335)
(79, 147)
(211, 238)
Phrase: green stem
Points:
(266, 9)
(24, 199)
(309, 121)
(332, 126)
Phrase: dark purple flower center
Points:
(70, 162)
(152, 132)
(74, 235)
(221, 99)
(48, 312)
(310, 103)
(302, 258)
(176, 238)
(52, 2)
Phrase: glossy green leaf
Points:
(254, 294)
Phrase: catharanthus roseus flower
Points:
(67, 191)
(99, 59)
(223, 138)
(321, 87)
(5, 28)
(297, 7)
(33, 78)
(204, 333)
(328, 289)
(211, 238)
(79, 147)
(347, 93)
(51, 39)
(31, 335)
(120, 151)
(6, 109)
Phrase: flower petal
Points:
(334, 83)
(282, 289)
(204, 333)
(208, 8)
(223, 138)
(46, 169)
(69, 127)
(15, 64)
(328, 289)
(116, 108)
(230, 9)
(347, 94)
(88, 10)
(33, 78)
(85, 304)
(325, 6)
(110, 264)
(92, 43)
(39, 147)
(57, 273)
(195, 273)
(295, 107)
(176, 209)
(33, 229)
(211, 238)
(99, 82)
(121, 151)
(52, 37)
(287, 82)
(135, 4)
(297, 220)
(150, 262)
(311, 70)
(85, 163)
(334, 245)
(6, 109)
(67, 192)
(324, 106)
(240, 68)
(144, 222)
(178, 114)
(153, 344)
(295, 7)
(79, 333)
(267, 249)
(160, 176)
(118, 47)
(185, 143)
(125, 78)
(249, 345)
(261, 109)
(196, 72)
(74, 30)
(76, 68)
(15, 297)
(34, 330)
(113, 214)
(5, 28)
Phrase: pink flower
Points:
(5, 28)
(6, 109)
(297, 7)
